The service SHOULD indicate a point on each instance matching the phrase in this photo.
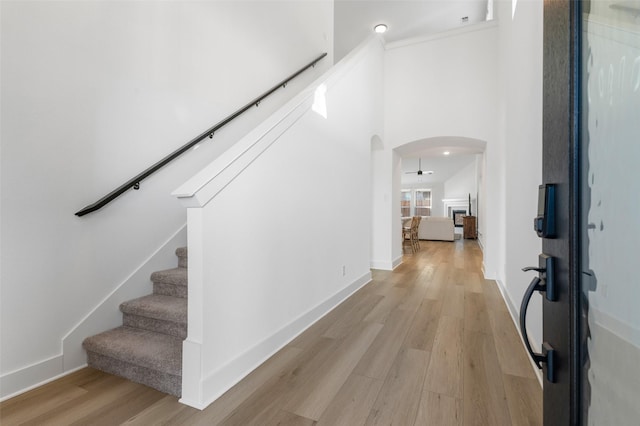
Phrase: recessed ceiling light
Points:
(380, 28)
(446, 153)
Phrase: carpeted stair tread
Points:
(157, 306)
(174, 276)
(143, 348)
(147, 349)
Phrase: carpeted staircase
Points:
(147, 348)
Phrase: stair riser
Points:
(167, 383)
(159, 326)
(170, 290)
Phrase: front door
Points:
(591, 153)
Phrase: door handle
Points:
(546, 273)
(548, 354)
(544, 283)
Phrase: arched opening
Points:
(443, 177)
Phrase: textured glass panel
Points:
(610, 159)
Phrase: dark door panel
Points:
(559, 167)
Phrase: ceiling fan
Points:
(420, 172)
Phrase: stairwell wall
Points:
(93, 93)
(280, 226)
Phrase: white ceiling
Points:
(462, 151)
(355, 19)
(443, 168)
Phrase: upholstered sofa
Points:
(436, 228)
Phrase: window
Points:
(423, 202)
(415, 202)
(405, 203)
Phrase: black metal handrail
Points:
(134, 183)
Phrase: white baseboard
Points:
(225, 377)
(514, 313)
(486, 273)
(38, 374)
(480, 243)
(386, 265)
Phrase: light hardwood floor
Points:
(431, 343)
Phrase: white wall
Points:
(462, 183)
(382, 205)
(93, 93)
(521, 71)
(259, 276)
(444, 85)
(481, 208)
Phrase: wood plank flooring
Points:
(431, 343)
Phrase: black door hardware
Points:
(545, 221)
(544, 283)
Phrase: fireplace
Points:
(451, 204)
(457, 217)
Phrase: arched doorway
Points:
(450, 167)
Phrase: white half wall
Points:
(280, 226)
(95, 92)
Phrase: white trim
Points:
(228, 375)
(386, 265)
(191, 373)
(397, 262)
(488, 275)
(514, 313)
(481, 26)
(192, 346)
(383, 265)
(37, 375)
(26, 378)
